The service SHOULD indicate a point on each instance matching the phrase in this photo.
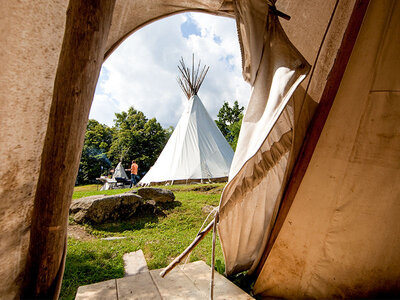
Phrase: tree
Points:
(135, 137)
(98, 135)
(94, 161)
(229, 122)
(131, 137)
(234, 132)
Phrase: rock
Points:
(151, 202)
(150, 209)
(113, 238)
(158, 195)
(102, 208)
(207, 209)
(131, 192)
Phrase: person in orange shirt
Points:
(134, 171)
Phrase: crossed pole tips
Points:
(190, 80)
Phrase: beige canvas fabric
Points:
(30, 48)
(275, 68)
(30, 42)
(131, 15)
(341, 236)
(317, 30)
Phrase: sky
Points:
(142, 71)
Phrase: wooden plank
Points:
(192, 282)
(140, 286)
(86, 31)
(105, 290)
(176, 285)
(318, 121)
(199, 272)
(135, 263)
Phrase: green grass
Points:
(161, 238)
(93, 189)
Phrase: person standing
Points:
(134, 171)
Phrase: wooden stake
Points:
(213, 257)
(86, 31)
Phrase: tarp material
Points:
(248, 204)
(196, 149)
(341, 238)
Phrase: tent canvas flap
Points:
(259, 167)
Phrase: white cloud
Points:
(142, 71)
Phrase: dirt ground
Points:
(79, 233)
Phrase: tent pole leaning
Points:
(189, 249)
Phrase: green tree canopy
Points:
(98, 135)
(136, 137)
(133, 136)
(94, 161)
(229, 122)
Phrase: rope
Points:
(213, 256)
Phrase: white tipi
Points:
(118, 176)
(196, 150)
(119, 172)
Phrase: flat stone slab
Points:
(135, 263)
(113, 238)
(208, 208)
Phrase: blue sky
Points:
(142, 71)
(190, 27)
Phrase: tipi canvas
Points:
(196, 150)
(119, 174)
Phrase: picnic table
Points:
(108, 183)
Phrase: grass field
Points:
(161, 238)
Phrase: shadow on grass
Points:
(144, 216)
(169, 205)
(85, 268)
(244, 281)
